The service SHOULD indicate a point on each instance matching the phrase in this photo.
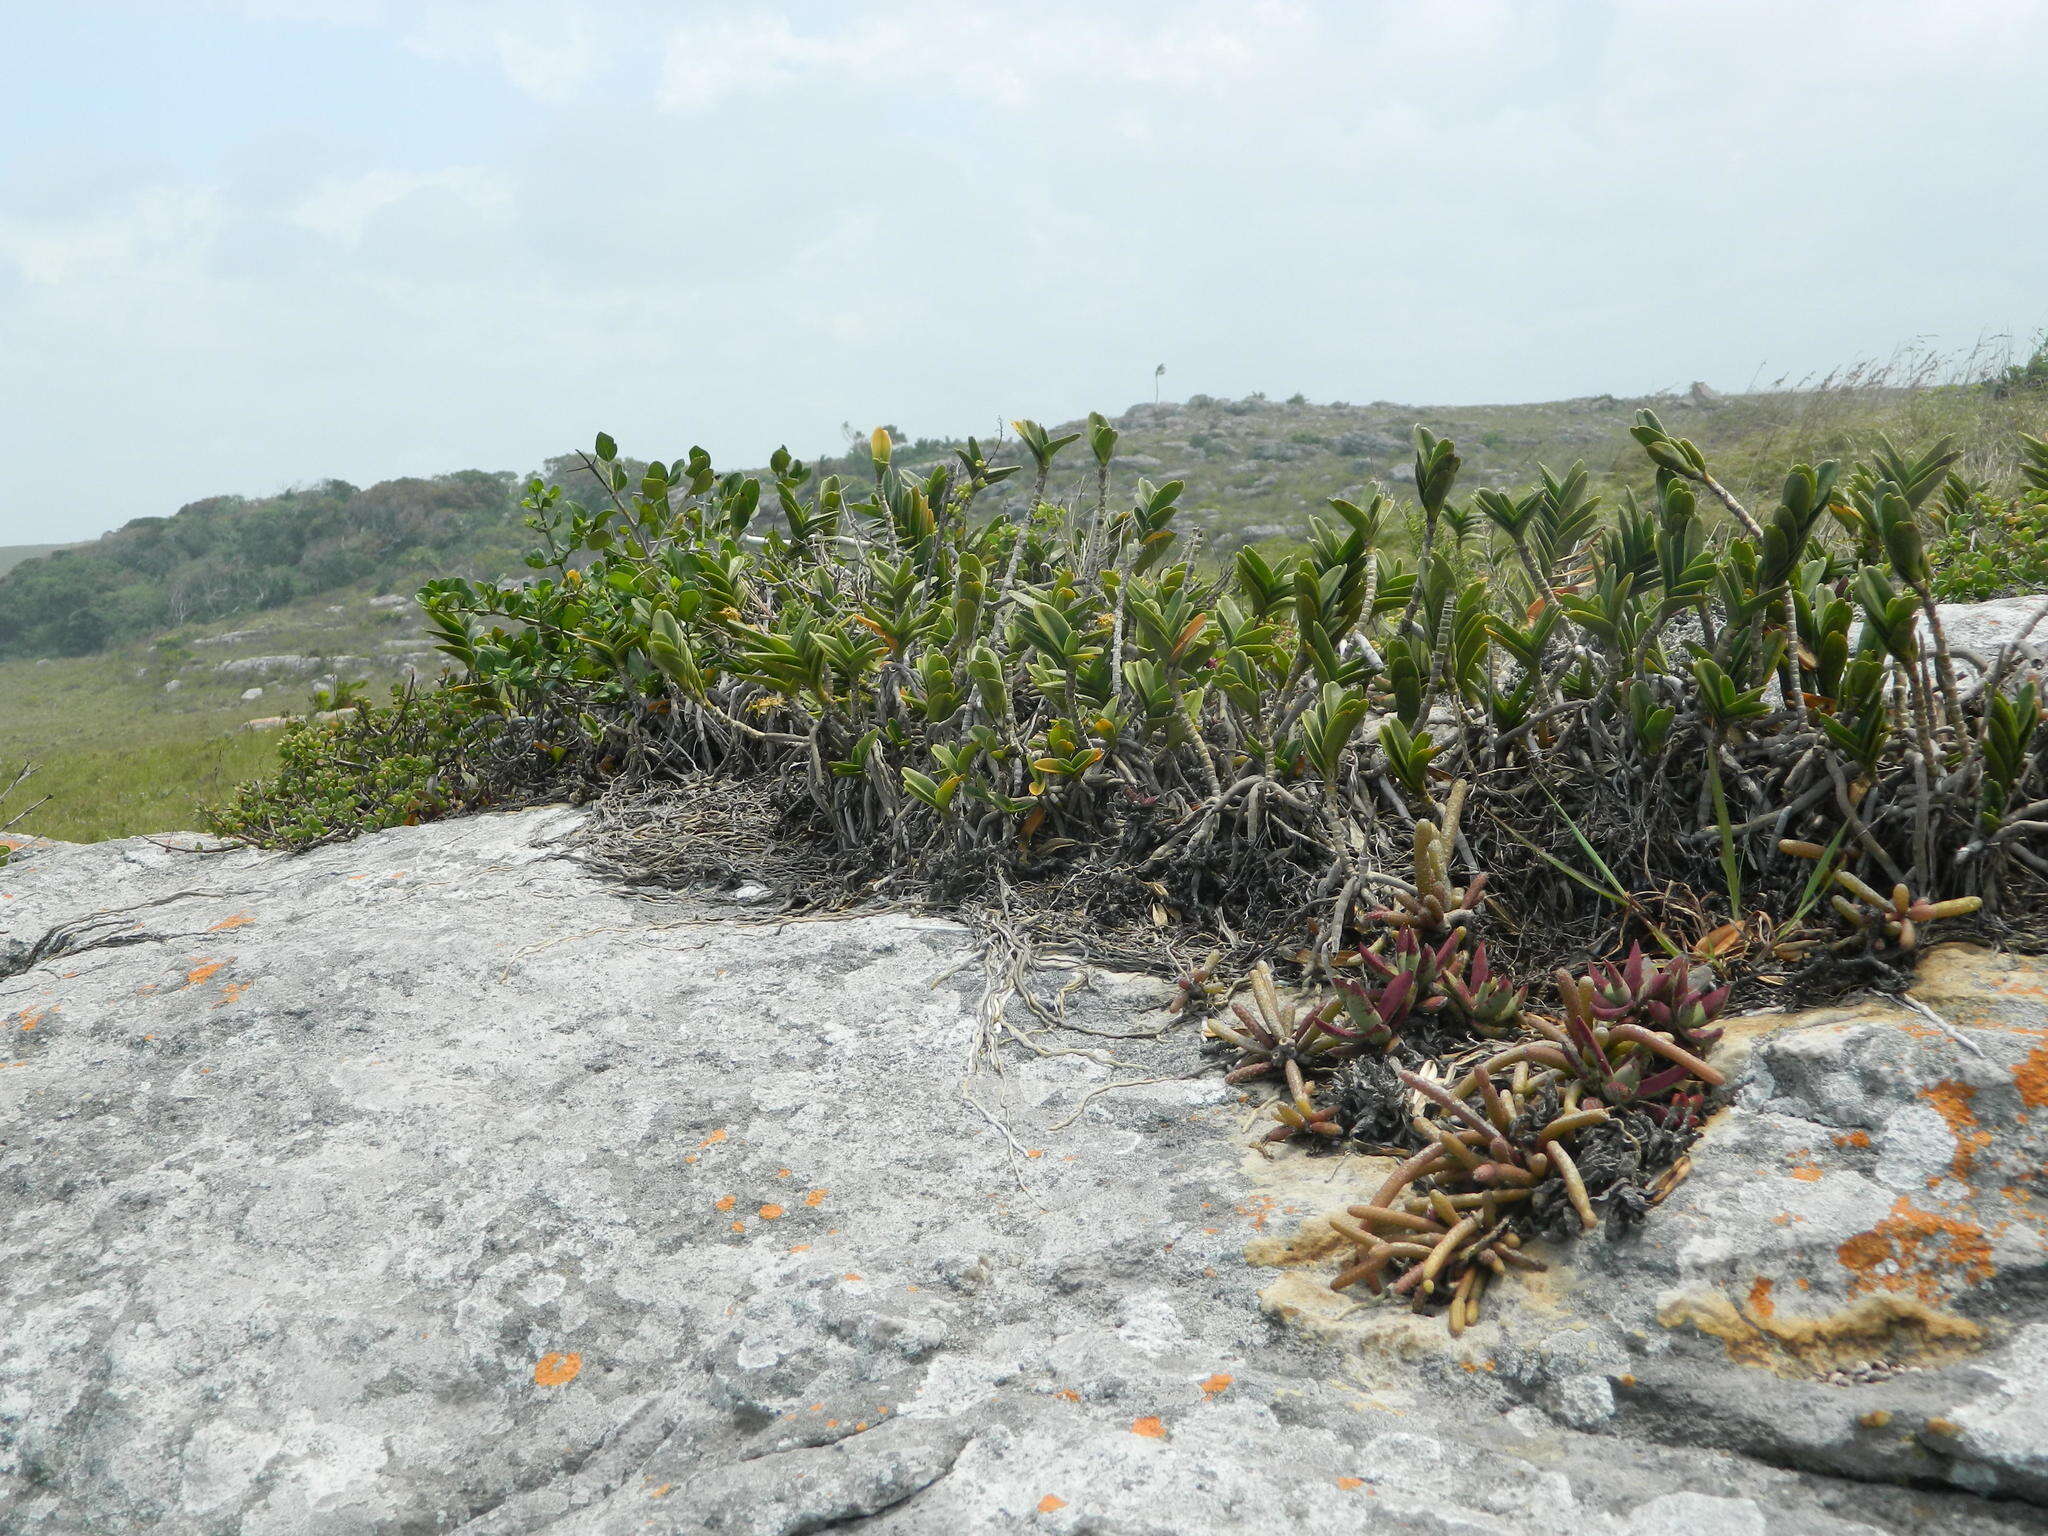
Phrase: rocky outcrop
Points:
(426, 1183)
(284, 666)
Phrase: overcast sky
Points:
(258, 242)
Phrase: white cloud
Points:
(1001, 54)
(343, 207)
(549, 51)
(151, 235)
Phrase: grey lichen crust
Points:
(427, 1183)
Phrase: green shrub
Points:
(387, 766)
(1990, 546)
(1644, 700)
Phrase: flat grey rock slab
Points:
(429, 1184)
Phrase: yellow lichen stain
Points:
(557, 1370)
(1311, 1242)
(1878, 1329)
(1303, 1299)
(1918, 1251)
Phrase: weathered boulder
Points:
(426, 1183)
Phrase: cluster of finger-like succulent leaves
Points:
(1490, 1141)
(1498, 1143)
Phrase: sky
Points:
(254, 243)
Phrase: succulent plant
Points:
(1485, 1002)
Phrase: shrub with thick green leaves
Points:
(1646, 699)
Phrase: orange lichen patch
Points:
(1858, 1139)
(1067, 1395)
(1217, 1384)
(739, 1226)
(783, 1173)
(815, 1197)
(1879, 1329)
(1051, 1502)
(1760, 1304)
(770, 1212)
(206, 970)
(239, 920)
(1951, 1101)
(1035, 1152)
(852, 1274)
(1804, 1168)
(2031, 1078)
(1149, 1427)
(801, 1248)
(712, 1140)
(29, 1018)
(231, 992)
(662, 1492)
(557, 1370)
(1258, 1209)
(1351, 1484)
(725, 1202)
(1918, 1251)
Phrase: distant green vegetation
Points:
(12, 555)
(230, 555)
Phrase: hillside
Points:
(12, 555)
(1255, 470)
